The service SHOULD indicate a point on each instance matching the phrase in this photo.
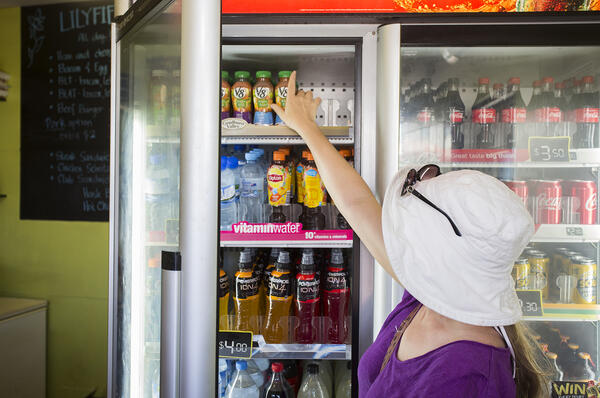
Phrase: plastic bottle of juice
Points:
(279, 301)
(225, 95)
(266, 276)
(340, 219)
(263, 98)
(223, 300)
(277, 180)
(325, 373)
(281, 92)
(336, 299)
(246, 297)
(299, 173)
(241, 96)
(291, 184)
(314, 196)
(312, 385)
(307, 301)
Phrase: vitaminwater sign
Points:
(65, 111)
(411, 6)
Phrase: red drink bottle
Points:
(307, 300)
(336, 299)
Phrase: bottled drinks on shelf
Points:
(229, 210)
(223, 300)
(307, 300)
(585, 368)
(242, 385)
(252, 192)
(262, 93)
(225, 95)
(586, 112)
(336, 299)
(281, 92)
(246, 295)
(279, 301)
(292, 376)
(312, 386)
(483, 115)
(160, 191)
(557, 373)
(291, 181)
(278, 182)
(314, 196)
(159, 97)
(343, 385)
(241, 96)
(548, 113)
(514, 113)
(233, 165)
(453, 115)
(277, 387)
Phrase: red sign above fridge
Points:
(408, 6)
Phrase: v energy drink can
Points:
(521, 273)
(584, 270)
(538, 262)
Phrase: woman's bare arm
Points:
(351, 194)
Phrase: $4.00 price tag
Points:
(549, 149)
(234, 344)
(531, 302)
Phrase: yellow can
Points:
(538, 262)
(584, 270)
(521, 273)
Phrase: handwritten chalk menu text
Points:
(65, 111)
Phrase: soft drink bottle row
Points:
(165, 95)
(302, 300)
(257, 191)
(566, 276)
(558, 201)
(284, 379)
(243, 97)
(569, 361)
(498, 117)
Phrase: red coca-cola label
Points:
(545, 202)
(425, 115)
(484, 115)
(456, 116)
(514, 115)
(586, 115)
(591, 203)
(548, 115)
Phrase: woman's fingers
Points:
(315, 105)
(277, 109)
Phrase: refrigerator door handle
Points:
(170, 326)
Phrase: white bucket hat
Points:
(466, 278)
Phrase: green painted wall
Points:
(65, 263)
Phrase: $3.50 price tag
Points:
(531, 302)
(549, 149)
(233, 344)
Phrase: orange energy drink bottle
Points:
(246, 297)
(278, 178)
(279, 301)
(264, 286)
(223, 300)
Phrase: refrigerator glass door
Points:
(527, 115)
(148, 193)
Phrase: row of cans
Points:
(566, 276)
(558, 201)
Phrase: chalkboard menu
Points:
(65, 111)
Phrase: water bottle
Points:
(228, 202)
(252, 194)
(242, 385)
(232, 164)
(239, 151)
(222, 378)
(312, 385)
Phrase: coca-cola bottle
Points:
(483, 115)
(548, 113)
(535, 99)
(514, 112)
(586, 116)
(440, 100)
(453, 114)
(425, 103)
(562, 104)
(574, 100)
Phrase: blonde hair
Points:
(533, 368)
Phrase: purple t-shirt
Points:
(458, 369)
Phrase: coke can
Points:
(584, 271)
(548, 202)
(520, 188)
(584, 197)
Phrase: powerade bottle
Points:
(246, 295)
(280, 295)
(307, 301)
(336, 299)
(223, 300)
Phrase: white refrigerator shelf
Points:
(303, 351)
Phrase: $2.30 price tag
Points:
(549, 149)
(531, 302)
(233, 344)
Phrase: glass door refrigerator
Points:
(238, 196)
(519, 102)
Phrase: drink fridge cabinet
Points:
(208, 182)
(518, 102)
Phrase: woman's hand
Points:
(300, 108)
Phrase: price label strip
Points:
(549, 149)
(234, 344)
(531, 302)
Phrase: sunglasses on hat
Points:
(426, 172)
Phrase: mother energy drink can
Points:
(584, 271)
(538, 262)
(521, 273)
